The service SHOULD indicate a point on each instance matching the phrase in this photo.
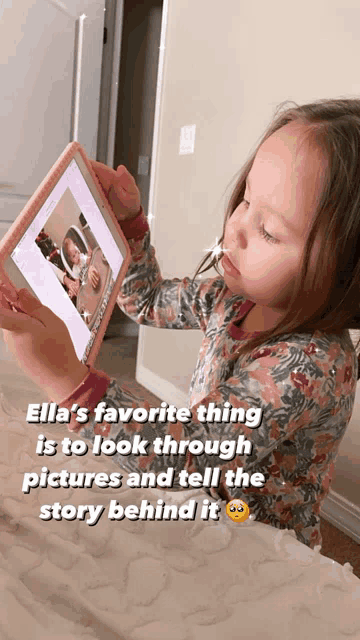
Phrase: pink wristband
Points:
(135, 228)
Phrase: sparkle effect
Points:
(85, 314)
(216, 249)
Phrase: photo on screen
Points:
(70, 259)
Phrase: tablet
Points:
(67, 248)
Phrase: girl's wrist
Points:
(136, 226)
(87, 394)
(65, 387)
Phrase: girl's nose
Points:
(236, 232)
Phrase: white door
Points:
(50, 71)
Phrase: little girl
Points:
(78, 262)
(275, 323)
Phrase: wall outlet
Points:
(187, 139)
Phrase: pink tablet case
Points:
(18, 228)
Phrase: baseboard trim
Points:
(343, 514)
(161, 388)
(336, 509)
(119, 329)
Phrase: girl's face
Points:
(74, 253)
(265, 236)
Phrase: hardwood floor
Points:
(338, 546)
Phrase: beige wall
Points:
(226, 67)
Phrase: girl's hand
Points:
(41, 343)
(120, 189)
(72, 286)
(94, 276)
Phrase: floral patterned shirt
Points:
(304, 385)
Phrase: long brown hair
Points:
(327, 297)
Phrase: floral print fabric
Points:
(304, 384)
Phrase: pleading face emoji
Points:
(237, 510)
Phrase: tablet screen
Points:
(69, 258)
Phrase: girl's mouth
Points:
(229, 267)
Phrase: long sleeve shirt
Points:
(304, 385)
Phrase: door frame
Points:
(110, 67)
(113, 24)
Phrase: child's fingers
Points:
(106, 175)
(120, 188)
(119, 196)
(10, 302)
(28, 302)
(4, 302)
(29, 314)
(120, 181)
(18, 322)
(18, 299)
(125, 180)
(9, 292)
(102, 168)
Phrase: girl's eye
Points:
(262, 231)
(267, 236)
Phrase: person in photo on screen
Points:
(71, 285)
(275, 320)
(78, 263)
(51, 253)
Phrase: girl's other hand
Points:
(120, 189)
(41, 343)
(72, 286)
(94, 276)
